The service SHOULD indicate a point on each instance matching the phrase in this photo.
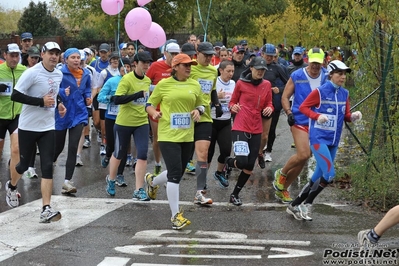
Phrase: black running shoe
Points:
(235, 200)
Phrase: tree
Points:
(38, 20)
(8, 19)
(234, 18)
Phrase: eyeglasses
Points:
(27, 40)
(207, 55)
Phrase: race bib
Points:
(102, 106)
(225, 107)
(180, 120)
(206, 85)
(113, 109)
(6, 88)
(241, 148)
(329, 125)
(140, 101)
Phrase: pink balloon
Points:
(137, 22)
(143, 2)
(155, 37)
(112, 7)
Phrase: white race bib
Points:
(241, 148)
(206, 85)
(140, 101)
(8, 90)
(180, 120)
(329, 125)
(113, 109)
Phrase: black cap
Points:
(125, 61)
(243, 42)
(206, 48)
(142, 56)
(218, 45)
(104, 47)
(114, 54)
(33, 51)
(258, 62)
(188, 49)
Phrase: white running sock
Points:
(172, 191)
(160, 179)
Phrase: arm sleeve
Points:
(312, 100)
(105, 92)
(122, 99)
(214, 97)
(25, 99)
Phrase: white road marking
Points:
(290, 253)
(218, 247)
(114, 261)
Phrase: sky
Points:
(19, 4)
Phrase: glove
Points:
(218, 111)
(3, 87)
(291, 119)
(322, 119)
(356, 116)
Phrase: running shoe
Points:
(12, 196)
(293, 145)
(201, 199)
(223, 182)
(364, 241)
(279, 180)
(110, 186)
(102, 150)
(151, 190)
(49, 215)
(129, 160)
(140, 195)
(268, 157)
(68, 188)
(99, 138)
(284, 196)
(87, 143)
(294, 211)
(261, 161)
(227, 169)
(104, 162)
(178, 221)
(30, 173)
(306, 211)
(157, 170)
(235, 200)
(120, 181)
(79, 161)
(190, 168)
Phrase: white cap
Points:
(172, 48)
(50, 46)
(337, 65)
(88, 51)
(82, 55)
(13, 48)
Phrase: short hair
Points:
(225, 63)
(131, 43)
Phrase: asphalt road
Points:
(99, 230)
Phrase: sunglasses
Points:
(27, 40)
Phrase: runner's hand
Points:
(356, 116)
(291, 119)
(322, 119)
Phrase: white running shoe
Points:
(268, 157)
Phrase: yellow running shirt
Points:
(206, 77)
(132, 114)
(177, 99)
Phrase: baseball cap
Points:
(338, 65)
(114, 54)
(142, 56)
(172, 48)
(166, 43)
(188, 49)
(104, 47)
(206, 48)
(316, 55)
(50, 46)
(258, 62)
(125, 61)
(269, 49)
(88, 51)
(218, 45)
(182, 59)
(26, 35)
(33, 51)
(12, 48)
(82, 55)
(238, 48)
(298, 50)
(122, 46)
(243, 42)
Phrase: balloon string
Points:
(207, 18)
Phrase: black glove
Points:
(291, 119)
(219, 111)
(3, 87)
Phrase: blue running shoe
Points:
(223, 182)
(140, 195)
(105, 161)
(120, 181)
(110, 186)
